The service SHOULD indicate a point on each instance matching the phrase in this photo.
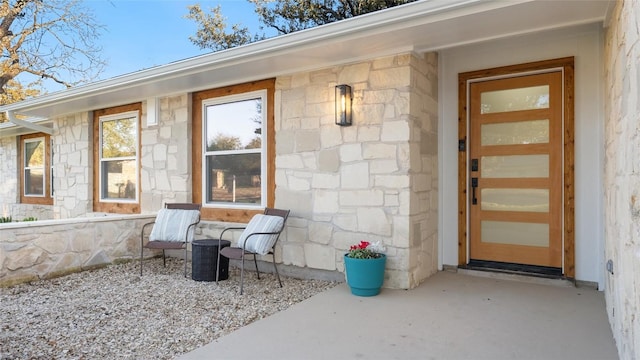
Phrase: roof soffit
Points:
(415, 27)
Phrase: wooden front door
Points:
(515, 169)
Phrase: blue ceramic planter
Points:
(365, 276)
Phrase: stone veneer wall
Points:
(72, 166)
(622, 176)
(375, 180)
(45, 249)
(166, 155)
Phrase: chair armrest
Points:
(142, 231)
(231, 228)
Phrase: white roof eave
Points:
(419, 26)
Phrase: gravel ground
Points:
(113, 313)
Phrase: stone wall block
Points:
(307, 140)
(383, 166)
(368, 114)
(370, 197)
(351, 152)
(354, 73)
(289, 162)
(329, 160)
(395, 131)
(355, 176)
(390, 78)
(373, 221)
(378, 151)
(346, 222)
(293, 255)
(383, 96)
(391, 181)
(51, 244)
(320, 257)
(81, 240)
(330, 136)
(320, 233)
(325, 181)
(368, 133)
(24, 258)
(300, 203)
(325, 201)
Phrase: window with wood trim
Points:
(36, 175)
(116, 157)
(233, 151)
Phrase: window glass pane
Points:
(515, 233)
(521, 132)
(536, 200)
(535, 97)
(234, 126)
(515, 166)
(34, 182)
(119, 138)
(234, 178)
(119, 180)
(34, 153)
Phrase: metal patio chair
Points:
(172, 230)
(259, 237)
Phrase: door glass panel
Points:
(515, 166)
(535, 200)
(528, 98)
(521, 132)
(515, 233)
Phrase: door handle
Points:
(474, 185)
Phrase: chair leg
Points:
(256, 264)
(185, 259)
(141, 253)
(275, 267)
(164, 259)
(242, 273)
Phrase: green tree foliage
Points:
(14, 92)
(50, 40)
(118, 138)
(284, 16)
(224, 142)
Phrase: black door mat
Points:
(521, 269)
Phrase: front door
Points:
(516, 170)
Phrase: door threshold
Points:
(518, 272)
(519, 269)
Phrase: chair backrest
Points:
(277, 212)
(176, 222)
(263, 231)
(183, 206)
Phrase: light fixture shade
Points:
(343, 105)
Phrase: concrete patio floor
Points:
(450, 316)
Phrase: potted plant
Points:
(364, 268)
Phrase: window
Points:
(232, 145)
(233, 162)
(36, 175)
(116, 168)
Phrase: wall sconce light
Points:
(343, 105)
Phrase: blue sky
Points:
(140, 34)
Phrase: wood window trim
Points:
(47, 199)
(113, 207)
(228, 214)
(567, 64)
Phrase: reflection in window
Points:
(233, 164)
(34, 174)
(118, 157)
